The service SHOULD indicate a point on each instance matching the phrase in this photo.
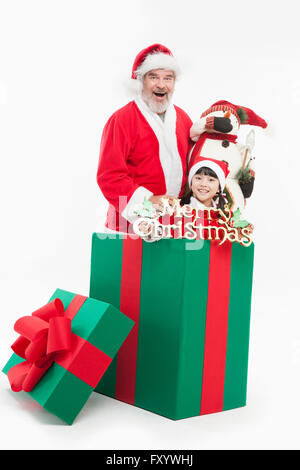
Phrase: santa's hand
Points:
(222, 124)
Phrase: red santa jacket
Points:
(140, 155)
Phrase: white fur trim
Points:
(270, 130)
(209, 164)
(158, 60)
(165, 132)
(195, 204)
(134, 202)
(197, 129)
(132, 87)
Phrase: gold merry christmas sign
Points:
(175, 221)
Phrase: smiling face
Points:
(158, 87)
(204, 187)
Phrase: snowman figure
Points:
(216, 134)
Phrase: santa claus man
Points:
(145, 144)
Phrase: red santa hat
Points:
(244, 115)
(218, 166)
(154, 57)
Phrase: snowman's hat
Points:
(244, 115)
(154, 57)
(218, 166)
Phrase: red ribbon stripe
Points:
(85, 361)
(216, 328)
(130, 306)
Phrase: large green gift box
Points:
(187, 353)
(97, 331)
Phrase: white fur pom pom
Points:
(270, 130)
(132, 86)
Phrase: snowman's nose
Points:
(227, 114)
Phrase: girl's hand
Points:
(157, 200)
(250, 228)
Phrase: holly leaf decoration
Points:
(244, 175)
(237, 222)
(148, 205)
(146, 210)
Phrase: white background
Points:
(63, 65)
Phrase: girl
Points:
(206, 182)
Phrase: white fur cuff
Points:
(197, 129)
(135, 202)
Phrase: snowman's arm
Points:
(242, 149)
(204, 124)
(252, 166)
(210, 124)
(246, 180)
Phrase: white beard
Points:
(158, 108)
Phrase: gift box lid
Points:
(97, 332)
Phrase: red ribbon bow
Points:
(44, 335)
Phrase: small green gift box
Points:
(63, 350)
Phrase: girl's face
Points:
(204, 188)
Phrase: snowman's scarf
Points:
(196, 152)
